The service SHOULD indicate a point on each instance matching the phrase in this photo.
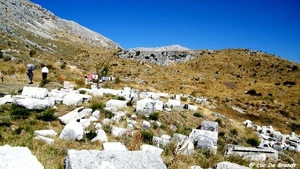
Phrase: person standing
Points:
(45, 72)
(30, 74)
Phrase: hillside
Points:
(240, 83)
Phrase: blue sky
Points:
(269, 26)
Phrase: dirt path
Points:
(15, 87)
(10, 88)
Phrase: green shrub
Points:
(7, 58)
(147, 136)
(91, 134)
(234, 132)
(219, 121)
(221, 134)
(82, 91)
(129, 103)
(183, 130)
(95, 105)
(154, 116)
(48, 115)
(19, 112)
(63, 65)
(117, 80)
(253, 141)
(5, 121)
(108, 114)
(31, 53)
(121, 98)
(197, 115)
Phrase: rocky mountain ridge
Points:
(24, 15)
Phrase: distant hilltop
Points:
(162, 48)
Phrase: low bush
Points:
(154, 116)
(197, 115)
(96, 105)
(129, 103)
(108, 114)
(91, 134)
(253, 141)
(48, 115)
(82, 91)
(183, 130)
(234, 132)
(147, 136)
(121, 98)
(19, 112)
(5, 121)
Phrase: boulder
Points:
(97, 93)
(163, 140)
(204, 139)
(185, 147)
(116, 103)
(6, 99)
(118, 116)
(73, 99)
(173, 103)
(96, 114)
(118, 131)
(34, 92)
(101, 136)
(149, 95)
(45, 133)
(229, 165)
(71, 116)
(78, 159)
(154, 149)
(179, 137)
(44, 139)
(18, 158)
(248, 123)
(73, 130)
(251, 153)
(111, 91)
(145, 106)
(34, 104)
(114, 146)
(146, 124)
(158, 105)
(209, 125)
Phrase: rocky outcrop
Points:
(158, 57)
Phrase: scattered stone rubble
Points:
(275, 140)
(115, 154)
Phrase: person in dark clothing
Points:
(30, 74)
